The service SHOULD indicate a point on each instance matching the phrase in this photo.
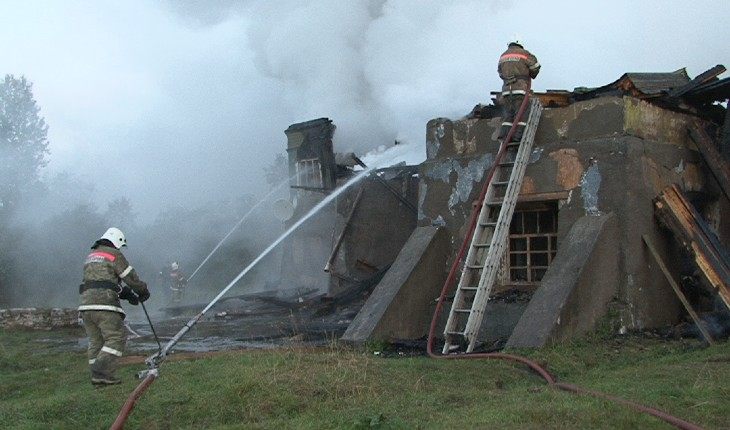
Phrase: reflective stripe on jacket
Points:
(107, 264)
(516, 66)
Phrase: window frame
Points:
(309, 173)
(527, 252)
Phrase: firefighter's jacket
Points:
(516, 67)
(177, 280)
(104, 269)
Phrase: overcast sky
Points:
(184, 102)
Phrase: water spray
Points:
(154, 360)
(131, 330)
(238, 224)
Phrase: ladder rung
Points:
(499, 210)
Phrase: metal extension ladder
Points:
(488, 241)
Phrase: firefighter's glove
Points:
(128, 295)
(144, 295)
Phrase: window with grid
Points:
(309, 173)
(532, 244)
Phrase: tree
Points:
(277, 171)
(119, 213)
(23, 140)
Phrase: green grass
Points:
(339, 387)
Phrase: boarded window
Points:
(532, 244)
(309, 173)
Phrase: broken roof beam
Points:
(691, 231)
(700, 79)
(715, 90)
(341, 237)
(653, 84)
(383, 182)
(678, 291)
(718, 166)
(555, 98)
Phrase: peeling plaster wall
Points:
(650, 122)
(569, 167)
(590, 183)
(610, 154)
(466, 177)
(588, 119)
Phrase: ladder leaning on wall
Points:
(488, 241)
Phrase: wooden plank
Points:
(678, 291)
(701, 234)
(708, 254)
(718, 166)
(700, 79)
(534, 197)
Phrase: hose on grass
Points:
(132, 399)
(677, 422)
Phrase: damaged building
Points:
(352, 242)
(593, 239)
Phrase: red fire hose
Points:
(132, 399)
(677, 422)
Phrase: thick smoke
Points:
(183, 101)
(175, 108)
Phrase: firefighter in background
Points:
(516, 67)
(105, 272)
(178, 282)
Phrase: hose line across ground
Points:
(677, 422)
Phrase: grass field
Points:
(341, 387)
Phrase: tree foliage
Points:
(119, 213)
(23, 140)
(277, 171)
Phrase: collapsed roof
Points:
(672, 90)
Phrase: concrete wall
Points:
(603, 155)
(380, 226)
(402, 303)
(576, 289)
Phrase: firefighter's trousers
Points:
(107, 338)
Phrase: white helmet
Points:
(174, 265)
(115, 236)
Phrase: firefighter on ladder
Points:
(516, 67)
(105, 268)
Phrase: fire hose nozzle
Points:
(145, 373)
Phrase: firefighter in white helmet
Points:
(105, 272)
(177, 281)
